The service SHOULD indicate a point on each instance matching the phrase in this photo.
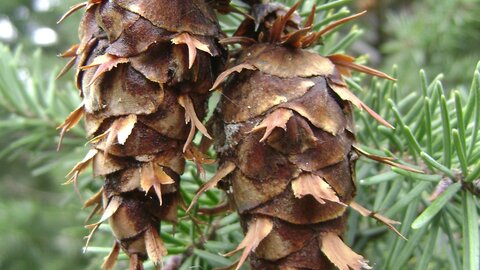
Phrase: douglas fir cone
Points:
(144, 69)
(285, 141)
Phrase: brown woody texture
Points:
(144, 69)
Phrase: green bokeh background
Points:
(41, 220)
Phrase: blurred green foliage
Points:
(38, 217)
(37, 220)
(41, 220)
(440, 36)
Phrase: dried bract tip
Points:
(340, 254)
(345, 63)
(258, 229)
(386, 221)
(224, 170)
(111, 259)
(335, 24)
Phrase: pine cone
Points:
(285, 136)
(144, 69)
